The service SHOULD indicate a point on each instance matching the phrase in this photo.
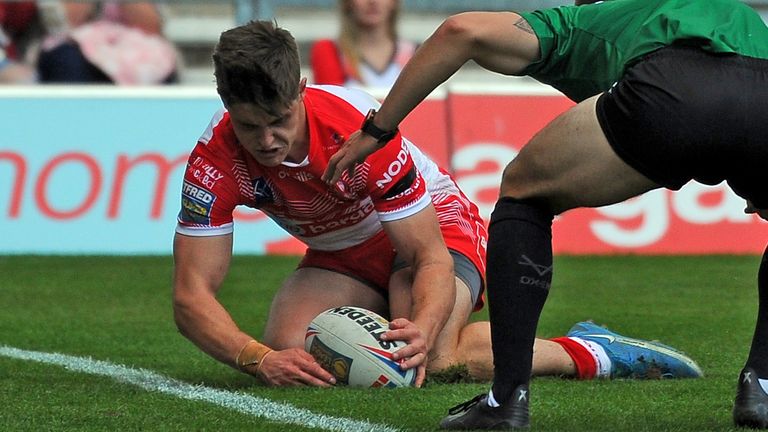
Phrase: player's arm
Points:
(201, 263)
(418, 240)
(499, 41)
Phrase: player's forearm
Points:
(436, 60)
(209, 326)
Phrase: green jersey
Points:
(585, 49)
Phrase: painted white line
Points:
(152, 381)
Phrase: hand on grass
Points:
(293, 367)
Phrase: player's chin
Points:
(270, 159)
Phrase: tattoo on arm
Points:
(524, 26)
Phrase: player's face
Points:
(268, 138)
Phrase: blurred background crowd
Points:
(132, 42)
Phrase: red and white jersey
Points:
(393, 183)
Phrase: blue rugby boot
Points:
(637, 358)
(751, 407)
(477, 414)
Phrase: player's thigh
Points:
(570, 164)
(400, 306)
(444, 351)
(306, 293)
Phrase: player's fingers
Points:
(413, 361)
(331, 174)
(405, 334)
(421, 374)
(316, 371)
(399, 323)
(410, 350)
(309, 379)
(351, 170)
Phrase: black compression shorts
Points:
(682, 113)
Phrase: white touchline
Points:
(152, 381)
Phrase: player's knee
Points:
(533, 210)
(282, 340)
(521, 180)
(439, 362)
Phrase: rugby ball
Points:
(345, 342)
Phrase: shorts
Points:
(464, 269)
(373, 261)
(683, 113)
(370, 262)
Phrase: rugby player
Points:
(398, 237)
(668, 91)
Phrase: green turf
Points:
(118, 309)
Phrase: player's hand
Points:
(293, 367)
(354, 151)
(751, 209)
(414, 354)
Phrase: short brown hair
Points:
(257, 63)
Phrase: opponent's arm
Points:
(499, 41)
(201, 263)
(418, 240)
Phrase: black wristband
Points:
(368, 128)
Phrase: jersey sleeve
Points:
(396, 186)
(209, 192)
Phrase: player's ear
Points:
(302, 86)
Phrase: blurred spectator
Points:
(368, 51)
(105, 42)
(16, 20)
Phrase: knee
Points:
(439, 362)
(285, 339)
(535, 210)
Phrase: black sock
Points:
(519, 274)
(758, 355)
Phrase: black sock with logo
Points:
(519, 274)
(758, 355)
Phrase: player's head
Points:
(258, 78)
(257, 63)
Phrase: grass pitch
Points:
(118, 310)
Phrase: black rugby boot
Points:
(751, 407)
(476, 414)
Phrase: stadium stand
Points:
(195, 25)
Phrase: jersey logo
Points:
(196, 204)
(401, 185)
(394, 167)
(262, 193)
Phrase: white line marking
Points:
(151, 381)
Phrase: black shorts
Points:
(682, 113)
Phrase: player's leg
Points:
(468, 344)
(566, 165)
(751, 406)
(306, 293)
(356, 276)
